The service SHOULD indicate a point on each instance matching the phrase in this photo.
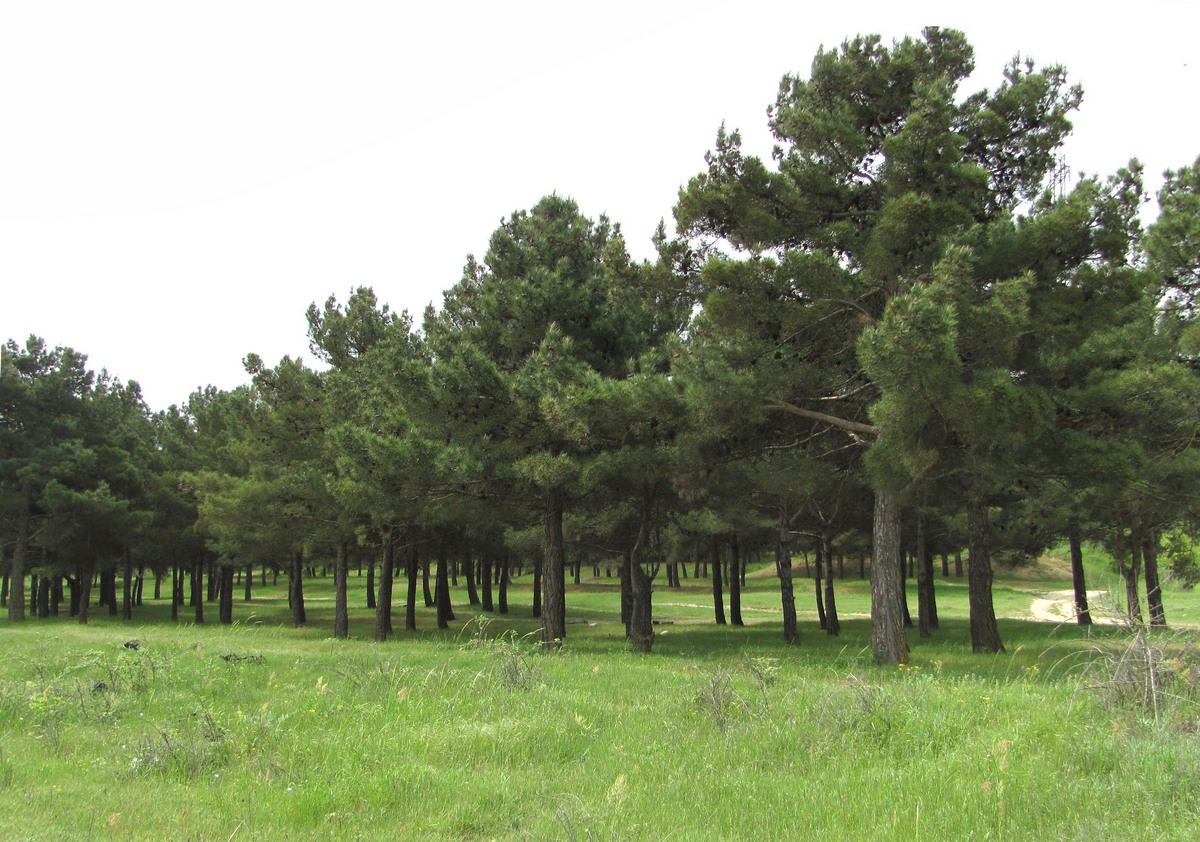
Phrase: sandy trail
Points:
(1059, 607)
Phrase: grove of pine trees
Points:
(897, 338)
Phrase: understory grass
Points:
(262, 731)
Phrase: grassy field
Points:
(262, 731)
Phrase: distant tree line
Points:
(899, 338)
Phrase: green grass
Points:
(722, 733)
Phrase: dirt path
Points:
(1059, 607)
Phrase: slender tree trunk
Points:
(43, 592)
(296, 587)
(626, 592)
(888, 639)
(502, 597)
(17, 571)
(198, 590)
(1158, 615)
(341, 606)
(84, 577)
(387, 569)
(225, 607)
(735, 581)
(1082, 614)
(833, 625)
(945, 565)
(428, 591)
(176, 577)
(926, 610)
(413, 568)
(485, 579)
(554, 586)
(783, 563)
(248, 585)
(985, 634)
(371, 603)
(1129, 572)
(718, 590)
(442, 593)
(818, 574)
(641, 619)
(127, 587)
(958, 564)
(904, 565)
(468, 569)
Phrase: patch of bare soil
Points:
(1059, 607)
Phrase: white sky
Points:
(178, 181)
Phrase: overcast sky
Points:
(179, 181)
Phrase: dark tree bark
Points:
(413, 568)
(554, 586)
(1158, 615)
(641, 619)
(198, 590)
(468, 570)
(1083, 615)
(225, 606)
(387, 570)
(718, 590)
(442, 595)
(888, 639)
(833, 626)
(485, 579)
(341, 607)
(626, 592)
(926, 604)
(985, 634)
(84, 577)
(127, 587)
(371, 602)
(43, 597)
(428, 591)
(1128, 567)
(783, 563)
(176, 592)
(296, 588)
(16, 596)
(818, 574)
(735, 581)
(504, 579)
(248, 584)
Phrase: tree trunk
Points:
(84, 577)
(341, 607)
(127, 586)
(43, 592)
(428, 591)
(888, 639)
(296, 588)
(502, 597)
(442, 593)
(1129, 570)
(413, 568)
(718, 591)
(926, 607)
(818, 574)
(468, 570)
(783, 563)
(833, 626)
(17, 571)
(387, 570)
(554, 586)
(1158, 616)
(225, 607)
(735, 581)
(985, 634)
(371, 602)
(641, 619)
(198, 590)
(626, 592)
(248, 585)
(485, 579)
(1082, 614)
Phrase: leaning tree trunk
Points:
(1082, 614)
(1129, 571)
(926, 609)
(985, 634)
(888, 639)
(554, 584)
(783, 562)
(1158, 616)
(341, 608)
(818, 574)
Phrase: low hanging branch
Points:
(855, 428)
